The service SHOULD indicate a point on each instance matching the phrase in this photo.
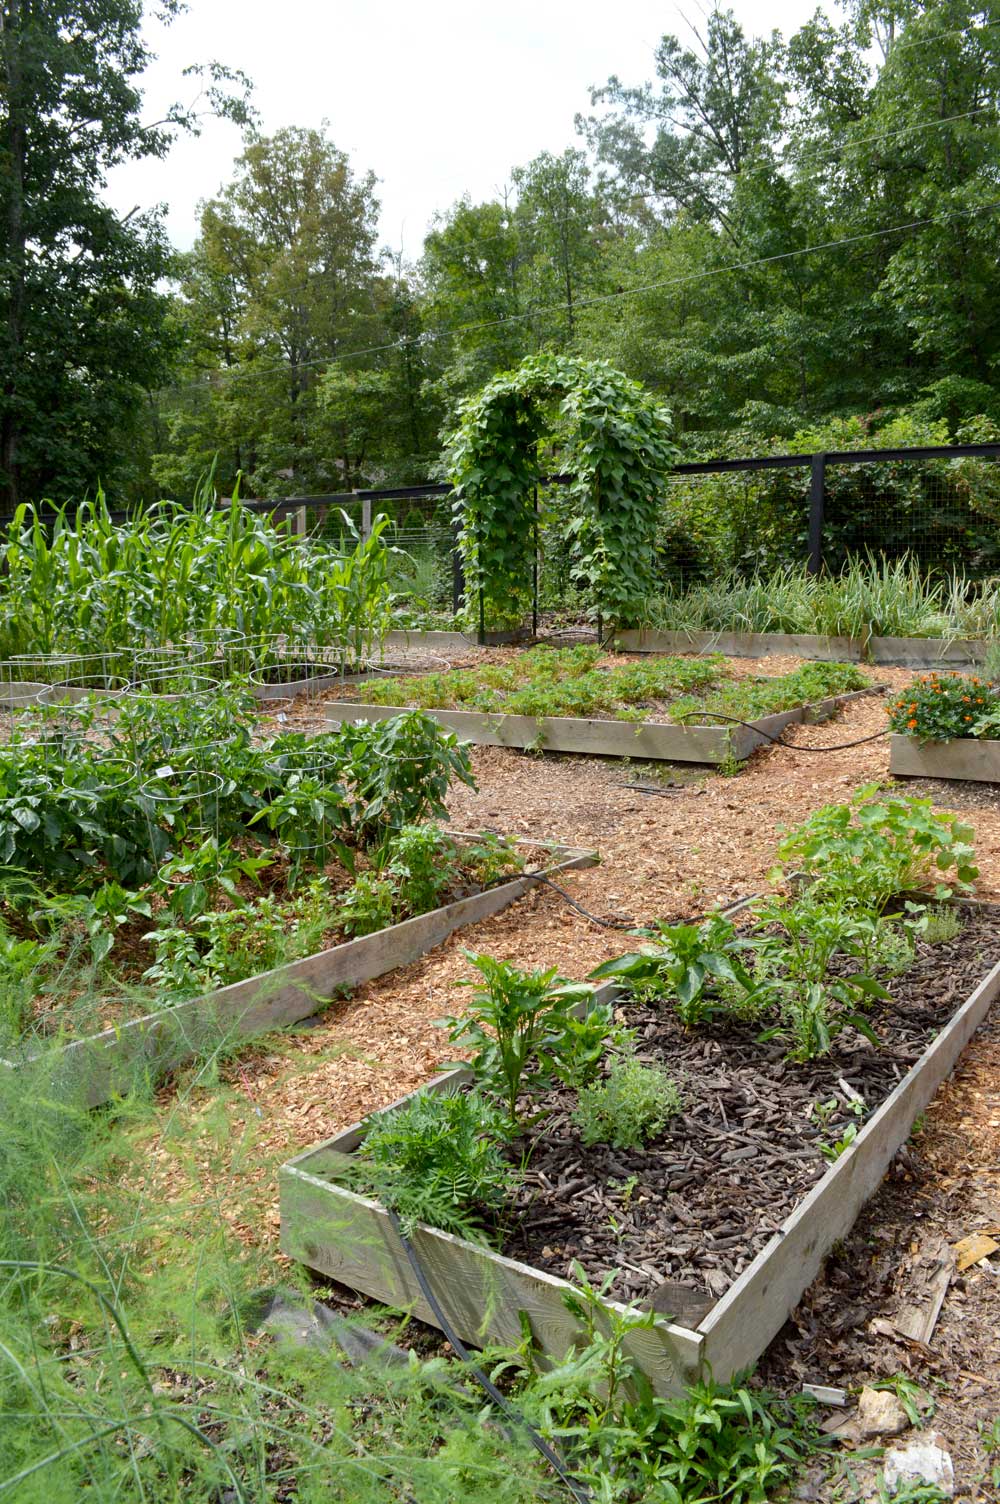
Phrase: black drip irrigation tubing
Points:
(579, 1492)
(778, 740)
(614, 922)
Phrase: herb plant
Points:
(630, 1106)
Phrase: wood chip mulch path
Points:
(673, 854)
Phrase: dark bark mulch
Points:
(697, 1204)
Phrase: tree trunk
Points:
(16, 143)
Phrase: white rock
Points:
(922, 1460)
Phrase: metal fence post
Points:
(366, 518)
(817, 496)
(457, 570)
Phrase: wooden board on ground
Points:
(93, 1069)
(741, 644)
(641, 740)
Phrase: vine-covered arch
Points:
(581, 418)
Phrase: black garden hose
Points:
(581, 1494)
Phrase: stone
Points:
(880, 1414)
(922, 1460)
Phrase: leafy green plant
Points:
(796, 953)
(683, 961)
(715, 1442)
(630, 1106)
(866, 852)
(940, 707)
(368, 905)
(438, 1160)
(935, 924)
(400, 771)
(422, 865)
(611, 436)
(517, 1025)
(490, 857)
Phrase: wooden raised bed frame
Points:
(642, 740)
(965, 757)
(93, 1069)
(905, 652)
(349, 1238)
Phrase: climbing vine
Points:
(594, 424)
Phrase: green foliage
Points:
(682, 962)
(940, 707)
(629, 1107)
(518, 1025)
(368, 905)
(78, 582)
(580, 681)
(715, 1442)
(603, 430)
(438, 1159)
(864, 853)
(401, 770)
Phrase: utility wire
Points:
(430, 336)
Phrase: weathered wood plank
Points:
(753, 1311)
(928, 652)
(94, 1068)
(643, 740)
(740, 644)
(350, 1238)
(966, 757)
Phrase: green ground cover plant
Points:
(945, 707)
(581, 681)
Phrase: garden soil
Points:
(669, 854)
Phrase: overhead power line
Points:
(430, 336)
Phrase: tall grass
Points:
(79, 583)
(873, 597)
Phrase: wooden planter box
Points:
(928, 652)
(966, 757)
(740, 644)
(644, 741)
(454, 642)
(349, 1238)
(93, 1069)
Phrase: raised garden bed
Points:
(672, 709)
(898, 652)
(738, 1196)
(646, 741)
(94, 1068)
(965, 757)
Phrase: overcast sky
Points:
(438, 99)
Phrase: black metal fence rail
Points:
(809, 520)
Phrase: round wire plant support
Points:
(286, 668)
(182, 809)
(306, 776)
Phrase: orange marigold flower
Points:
(913, 709)
(912, 725)
(966, 718)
